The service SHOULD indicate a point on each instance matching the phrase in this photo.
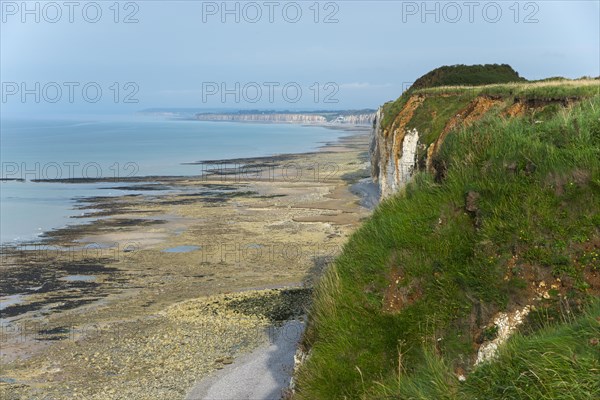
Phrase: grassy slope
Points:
(557, 362)
(538, 218)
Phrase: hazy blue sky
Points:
(180, 53)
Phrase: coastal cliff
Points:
(407, 134)
(393, 156)
(478, 275)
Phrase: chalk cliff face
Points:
(290, 118)
(397, 147)
(393, 155)
(356, 119)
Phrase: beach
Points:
(167, 287)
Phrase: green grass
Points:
(430, 127)
(392, 108)
(559, 361)
(529, 90)
(539, 188)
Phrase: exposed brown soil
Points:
(399, 125)
(515, 110)
(465, 117)
(400, 291)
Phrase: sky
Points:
(107, 57)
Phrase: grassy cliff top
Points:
(510, 92)
(542, 89)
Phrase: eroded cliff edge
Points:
(409, 132)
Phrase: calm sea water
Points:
(34, 149)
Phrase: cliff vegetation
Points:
(479, 277)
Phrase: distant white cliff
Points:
(293, 118)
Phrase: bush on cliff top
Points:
(467, 75)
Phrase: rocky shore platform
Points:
(167, 287)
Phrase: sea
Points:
(111, 147)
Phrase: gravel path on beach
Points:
(263, 374)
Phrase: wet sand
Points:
(153, 295)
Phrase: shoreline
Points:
(311, 217)
(60, 208)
